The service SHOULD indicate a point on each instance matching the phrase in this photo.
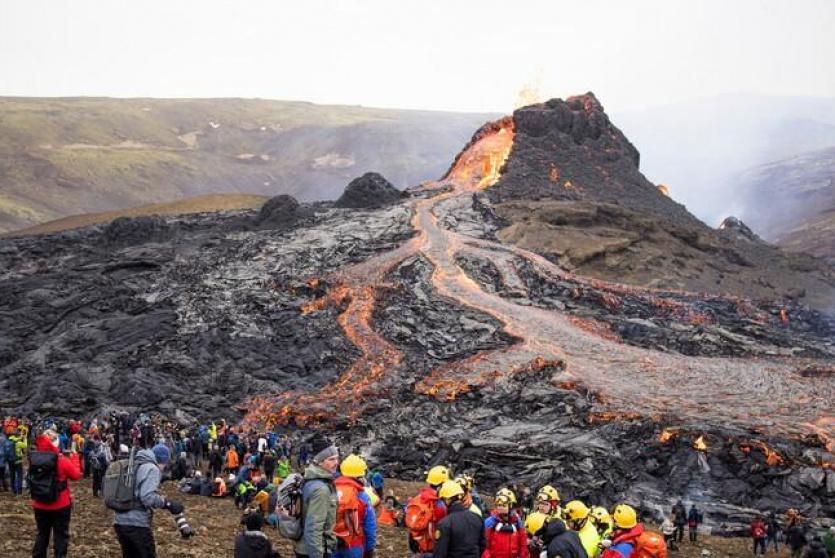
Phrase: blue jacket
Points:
(369, 526)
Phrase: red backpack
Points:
(650, 545)
(347, 526)
(419, 520)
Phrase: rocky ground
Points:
(413, 332)
(218, 522)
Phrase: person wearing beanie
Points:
(319, 501)
(54, 517)
(133, 527)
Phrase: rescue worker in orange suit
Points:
(356, 523)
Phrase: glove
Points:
(606, 543)
(173, 507)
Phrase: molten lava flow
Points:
(612, 416)
(667, 434)
(353, 392)
(700, 444)
(449, 381)
(479, 166)
(772, 458)
(716, 390)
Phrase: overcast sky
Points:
(452, 55)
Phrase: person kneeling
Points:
(253, 543)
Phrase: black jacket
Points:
(559, 541)
(253, 544)
(796, 537)
(460, 534)
(815, 550)
(679, 514)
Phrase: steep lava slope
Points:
(572, 191)
(433, 341)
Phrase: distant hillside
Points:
(699, 148)
(199, 204)
(62, 157)
(792, 202)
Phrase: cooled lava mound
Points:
(485, 322)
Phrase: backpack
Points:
(419, 519)
(119, 485)
(43, 477)
(650, 545)
(289, 497)
(347, 526)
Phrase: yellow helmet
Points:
(535, 522)
(550, 492)
(600, 515)
(576, 510)
(466, 482)
(450, 489)
(353, 466)
(507, 493)
(437, 475)
(625, 516)
(502, 500)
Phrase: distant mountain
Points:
(700, 148)
(792, 202)
(62, 157)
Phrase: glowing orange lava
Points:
(772, 458)
(700, 444)
(719, 390)
(666, 435)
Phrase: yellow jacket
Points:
(590, 539)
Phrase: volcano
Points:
(540, 313)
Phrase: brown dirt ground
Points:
(217, 524)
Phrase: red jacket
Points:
(67, 471)
(623, 542)
(505, 544)
(758, 529)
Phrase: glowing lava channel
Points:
(757, 394)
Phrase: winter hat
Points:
(322, 448)
(162, 453)
(254, 522)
